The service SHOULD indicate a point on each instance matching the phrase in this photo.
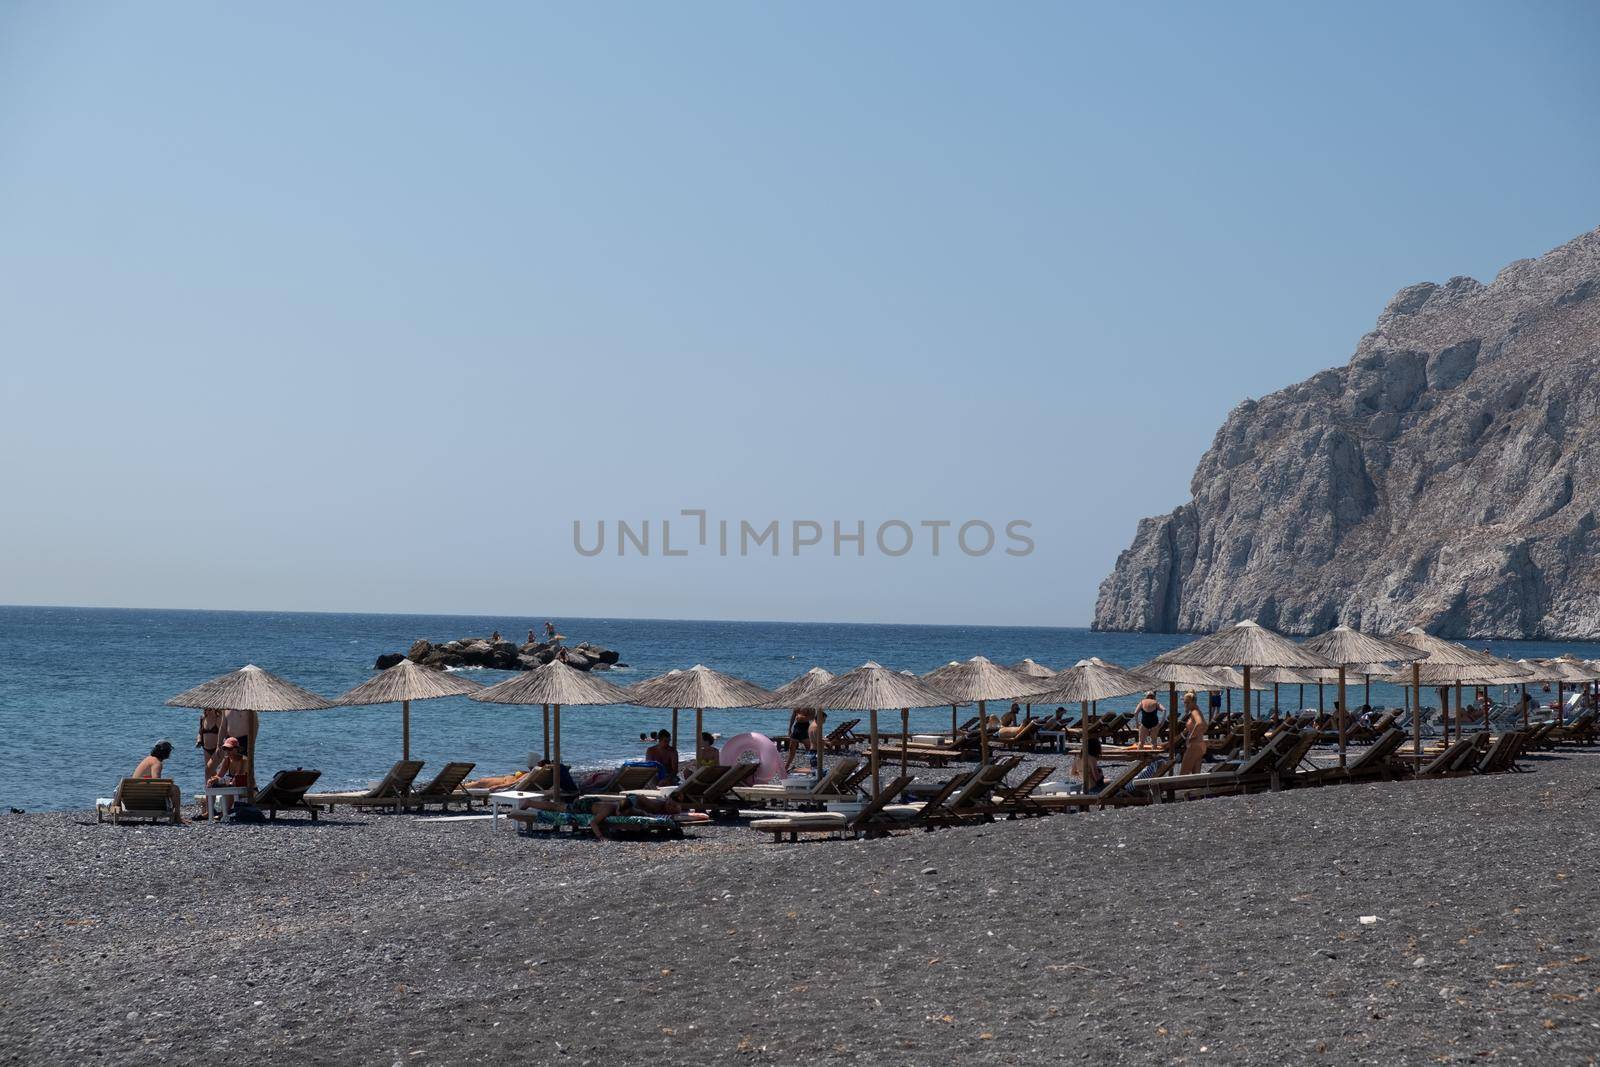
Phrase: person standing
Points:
(799, 732)
(1150, 712)
(1194, 735)
(208, 740)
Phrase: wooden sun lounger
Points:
(287, 792)
(1017, 801)
(1114, 794)
(1501, 755)
(972, 800)
(1366, 735)
(139, 800)
(1374, 762)
(1444, 765)
(875, 819)
(830, 787)
(388, 793)
(443, 790)
(1257, 770)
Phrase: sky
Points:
(360, 306)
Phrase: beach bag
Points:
(247, 813)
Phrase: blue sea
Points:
(82, 689)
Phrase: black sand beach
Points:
(1221, 931)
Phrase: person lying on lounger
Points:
(153, 766)
(598, 809)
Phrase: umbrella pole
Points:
(1524, 703)
(1172, 726)
(1302, 706)
(405, 729)
(1245, 696)
(983, 736)
(1344, 715)
(1458, 708)
(555, 769)
(1416, 708)
(953, 724)
(699, 725)
(905, 728)
(675, 730)
(877, 782)
(1277, 705)
(547, 731)
(1560, 703)
(1322, 708)
(1368, 700)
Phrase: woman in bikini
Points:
(799, 733)
(1194, 735)
(209, 740)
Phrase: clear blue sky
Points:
(358, 306)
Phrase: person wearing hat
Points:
(1150, 712)
(231, 770)
(240, 727)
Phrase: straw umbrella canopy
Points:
(982, 680)
(1029, 668)
(872, 688)
(554, 684)
(1344, 646)
(1247, 645)
(699, 688)
(250, 689)
(797, 693)
(404, 682)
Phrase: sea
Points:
(82, 690)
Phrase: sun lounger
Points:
(1255, 771)
(287, 792)
(139, 800)
(1501, 755)
(1455, 760)
(1015, 801)
(831, 787)
(972, 801)
(388, 793)
(444, 789)
(1375, 762)
(876, 818)
(1114, 794)
(1025, 738)
(533, 819)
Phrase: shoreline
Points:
(1226, 930)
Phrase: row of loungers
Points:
(1279, 764)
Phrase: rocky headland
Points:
(1448, 476)
(500, 655)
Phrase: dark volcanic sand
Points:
(1223, 931)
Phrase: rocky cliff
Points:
(1447, 477)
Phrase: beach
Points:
(1227, 931)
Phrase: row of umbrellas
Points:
(1207, 663)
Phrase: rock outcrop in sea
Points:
(500, 655)
(1447, 477)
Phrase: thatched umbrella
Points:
(1092, 680)
(404, 682)
(873, 687)
(796, 694)
(979, 679)
(1446, 663)
(1574, 672)
(699, 688)
(1248, 645)
(1029, 668)
(554, 684)
(249, 689)
(1176, 674)
(1344, 647)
